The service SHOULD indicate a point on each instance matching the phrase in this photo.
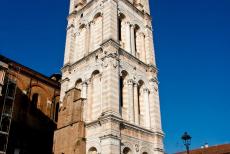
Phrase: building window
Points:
(121, 19)
(127, 151)
(35, 98)
(119, 29)
(123, 90)
(11, 89)
(92, 150)
(56, 111)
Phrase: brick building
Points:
(218, 149)
(29, 104)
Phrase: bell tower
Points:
(110, 63)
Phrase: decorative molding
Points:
(110, 42)
(65, 80)
(65, 68)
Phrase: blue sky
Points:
(192, 41)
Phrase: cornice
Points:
(142, 13)
(65, 80)
(124, 124)
(86, 6)
(149, 67)
(65, 68)
(72, 14)
(111, 42)
(82, 60)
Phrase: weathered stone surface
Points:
(110, 57)
(69, 138)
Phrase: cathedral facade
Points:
(109, 89)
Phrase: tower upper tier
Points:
(142, 5)
(126, 22)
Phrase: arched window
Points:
(57, 106)
(136, 40)
(78, 84)
(96, 32)
(127, 151)
(124, 95)
(144, 153)
(121, 28)
(95, 91)
(81, 42)
(35, 99)
(123, 76)
(92, 150)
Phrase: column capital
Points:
(91, 23)
(135, 84)
(146, 90)
(85, 83)
(154, 80)
(130, 82)
(132, 26)
(127, 23)
(141, 34)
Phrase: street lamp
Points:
(187, 141)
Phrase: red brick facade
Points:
(35, 109)
(218, 149)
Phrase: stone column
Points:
(150, 57)
(143, 51)
(133, 50)
(131, 101)
(136, 105)
(128, 37)
(76, 49)
(147, 113)
(87, 39)
(92, 46)
(84, 96)
(110, 14)
(152, 99)
(69, 46)
(84, 90)
(89, 103)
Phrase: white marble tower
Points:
(110, 57)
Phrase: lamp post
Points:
(187, 141)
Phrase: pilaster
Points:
(131, 101)
(147, 113)
(136, 105)
(110, 22)
(111, 77)
(70, 39)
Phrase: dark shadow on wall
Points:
(31, 130)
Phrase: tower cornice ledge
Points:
(149, 67)
(86, 6)
(72, 15)
(84, 59)
(138, 128)
(142, 13)
(65, 68)
(124, 124)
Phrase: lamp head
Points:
(186, 138)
